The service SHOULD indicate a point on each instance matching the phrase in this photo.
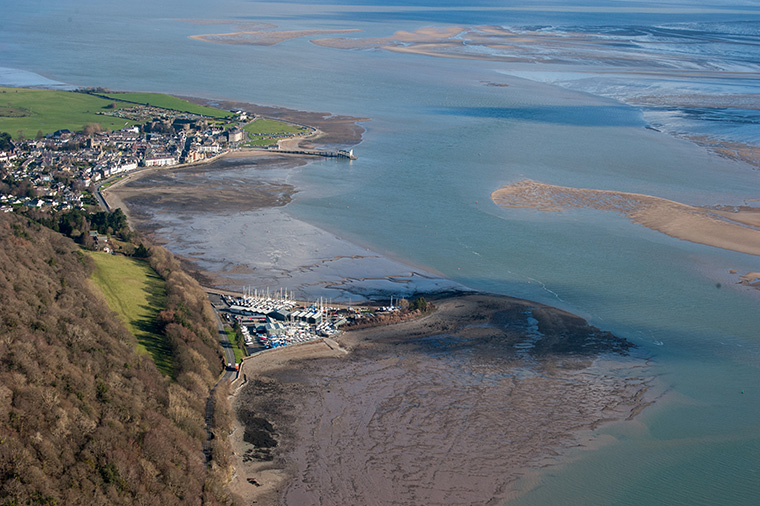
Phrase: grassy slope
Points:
(169, 102)
(137, 294)
(31, 110)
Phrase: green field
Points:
(263, 132)
(169, 102)
(137, 294)
(32, 110)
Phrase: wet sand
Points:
(735, 229)
(262, 38)
(452, 408)
(509, 46)
(576, 50)
(227, 223)
(449, 409)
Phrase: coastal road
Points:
(96, 193)
(229, 358)
(229, 355)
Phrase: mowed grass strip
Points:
(169, 102)
(137, 294)
(264, 131)
(33, 110)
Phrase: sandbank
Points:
(571, 51)
(250, 25)
(732, 230)
(741, 151)
(263, 38)
(451, 408)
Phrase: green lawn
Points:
(266, 126)
(263, 131)
(169, 102)
(33, 110)
(137, 294)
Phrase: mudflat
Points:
(451, 408)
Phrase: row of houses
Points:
(52, 170)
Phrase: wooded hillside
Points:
(84, 418)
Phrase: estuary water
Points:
(446, 132)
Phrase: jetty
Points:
(349, 155)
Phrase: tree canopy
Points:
(5, 141)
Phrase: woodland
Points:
(84, 417)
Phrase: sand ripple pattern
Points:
(447, 410)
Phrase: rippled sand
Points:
(449, 409)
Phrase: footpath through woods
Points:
(228, 375)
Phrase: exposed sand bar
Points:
(571, 51)
(247, 25)
(452, 408)
(486, 42)
(263, 38)
(735, 230)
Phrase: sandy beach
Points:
(329, 129)
(163, 182)
(449, 409)
(734, 229)
(227, 222)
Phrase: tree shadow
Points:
(149, 335)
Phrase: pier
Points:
(349, 155)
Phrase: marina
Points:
(275, 320)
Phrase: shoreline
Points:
(330, 439)
(114, 201)
(529, 382)
(328, 130)
(268, 246)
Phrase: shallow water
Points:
(441, 140)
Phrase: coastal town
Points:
(55, 178)
(56, 171)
